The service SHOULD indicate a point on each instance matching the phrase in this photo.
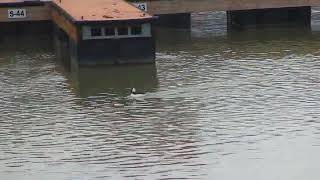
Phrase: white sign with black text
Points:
(141, 5)
(17, 13)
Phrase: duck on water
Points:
(134, 93)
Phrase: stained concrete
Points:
(247, 18)
(179, 21)
(25, 28)
(117, 51)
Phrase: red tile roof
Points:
(92, 10)
(100, 10)
(21, 1)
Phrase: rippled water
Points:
(244, 105)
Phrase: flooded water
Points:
(217, 105)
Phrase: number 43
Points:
(142, 7)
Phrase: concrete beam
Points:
(187, 6)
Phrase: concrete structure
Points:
(38, 14)
(115, 32)
(91, 32)
(189, 6)
(174, 13)
(293, 15)
(106, 31)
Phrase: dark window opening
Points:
(136, 30)
(122, 31)
(96, 32)
(109, 31)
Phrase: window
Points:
(109, 31)
(136, 30)
(96, 32)
(123, 31)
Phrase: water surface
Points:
(244, 105)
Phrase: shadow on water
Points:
(255, 40)
(86, 81)
(114, 80)
(270, 32)
(19, 48)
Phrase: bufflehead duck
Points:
(134, 93)
(117, 105)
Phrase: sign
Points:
(141, 5)
(17, 13)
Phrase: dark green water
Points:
(221, 106)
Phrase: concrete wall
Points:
(66, 49)
(25, 28)
(61, 46)
(180, 20)
(103, 51)
(65, 24)
(292, 16)
(116, 51)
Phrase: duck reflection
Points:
(116, 80)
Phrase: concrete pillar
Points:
(62, 47)
(178, 21)
(238, 20)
